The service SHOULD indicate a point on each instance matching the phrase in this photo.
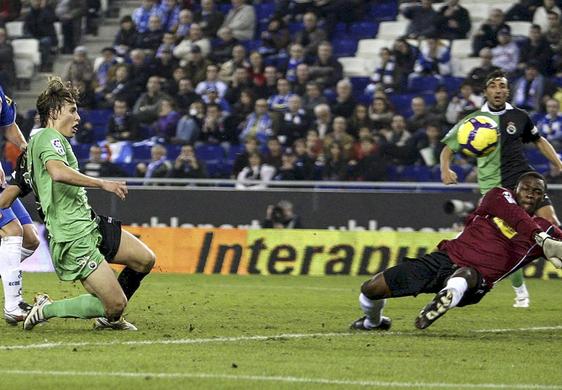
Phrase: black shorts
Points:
(110, 230)
(428, 274)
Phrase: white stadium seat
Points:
(28, 49)
(370, 48)
(14, 29)
(461, 48)
(478, 11)
(392, 30)
(520, 28)
(355, 66)
(462, 66)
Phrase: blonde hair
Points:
(54, 97)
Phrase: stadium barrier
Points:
(283, 251)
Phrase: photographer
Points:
(187, 166)
(281, 216)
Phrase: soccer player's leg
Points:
(10, 251)
(30, 234)
(372, 301)
(450, 296)
(522, 299)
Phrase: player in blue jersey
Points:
(19, 238)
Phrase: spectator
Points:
(142, 14)
(420, 115)
(303, 77)
(313, 97)
(405, 56)
(86, 95)
(158, 167)
(195, 37)
(70, 13)
(240, 82)
(487, 33)
(553, 31)
(398, 133)
(423, 20)
(340, 135)
(164, 129)
(453, 21)
(400, 148)
(93, 8)
(550, 126)
(235, 122)
(536, 48)
(118, 87)
(169, 12)
(39, 23)
(314, 146)
(164, 67)
(463, 103)
(345, 103)
(434, 58)
(281, 216)
(323, 120)
(147, 105)
(384, 76)
(287, 169)
(122, 124)
(528, 90)
(80, 67)
(269, 88)
(275, 38)
(325, 69)
(311, 35)
(11, 10)
(242, 159)
(540, 16)
(371, 166)
(151, 38)
(257, 69)
(256, 170)
(304, 164)
(209, 18)
(212, 97)
(359, 119)
(212, 81)
(237, 61)
(104, 67)
(140, 68)
(258, 124)
(187, 166)
(184, 25)
(212, 128)
(96, 166)
(522, 10)
(294, 123)
(126, 38)
(296, 58)
(429, 145)
(477, 76)
(336, 165)
(274, 152)
(506, 54)
(189, 126)
(241, 19)
(438, 110)
(222, 47)
(279, 101)
(196, 65)
(185, 95)
(380, 113)
(7, 67)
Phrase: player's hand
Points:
(551, 247)
(119, 188)
(448, 177)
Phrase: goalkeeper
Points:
(500, 237)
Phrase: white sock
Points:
(521, 291)
(372, 309)
(10, 253)
(25, 253)
(458, 287)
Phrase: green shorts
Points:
(76, 260)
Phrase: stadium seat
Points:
(25, 69)
(360, 30)
(392, 30)
(452, 83)
(344, 47)
(414, 173)
(173, 151)
(264, 11)
(213, 157)
(535, 157)
(359, 84)
(423, 84)
(461, 48)
(27, 48)
(81, 151)
(369, 48)
(463, 66)
(401, 102)
(479, 11)
(384, 12)
(295, 27)
(355, 66)
(224, 8)
(14, 29)
(519, 28)
(141, 151)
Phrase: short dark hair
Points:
(494, 75)
(534, 174)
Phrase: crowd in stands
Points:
(195, 89)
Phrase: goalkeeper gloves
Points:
(551, 247)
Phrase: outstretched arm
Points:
(60, 172)
(548, 151)
(448, 176)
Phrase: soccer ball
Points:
(478, 136)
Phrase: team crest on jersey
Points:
(57, 145)
(511, 129)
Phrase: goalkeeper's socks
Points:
(10, 271)
(25, 253)
(372, 309)
(130, 280)
(458, 287)
(83, 306)
(521, 291)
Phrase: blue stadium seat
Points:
(452, 84)
(295, 27)
(359, 85)
(535, 157)
(234, 151)
(401, 103)
(264, 11)
(341, 28)
(173, 151)
(128, 168)
(363, 30)
(414, 173)
(385, 11)
(423, 84)
(213, 157)
(224, 8)
(344, 47)
(81, 151)
(141, 151)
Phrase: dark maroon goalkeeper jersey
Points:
(498, 237)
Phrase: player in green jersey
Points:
(82, 244)
(502, 167)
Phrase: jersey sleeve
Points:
(530, 132)
(8, 111)
(501, 203)
(49, 146)
(450, 139)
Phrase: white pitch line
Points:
(349, 289)
(286, 379)
(508, 330)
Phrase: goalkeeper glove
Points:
(551, 247)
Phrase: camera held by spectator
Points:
(281, 216)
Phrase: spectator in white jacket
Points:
(256, 170)
(241, 19)
(506, 53)
(540, 16)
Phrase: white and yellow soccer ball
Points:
(478, 136)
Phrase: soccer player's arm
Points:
(549, 152)
(9, 195)
(448, 176)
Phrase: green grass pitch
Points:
(247, 332)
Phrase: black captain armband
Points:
(18, 177)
